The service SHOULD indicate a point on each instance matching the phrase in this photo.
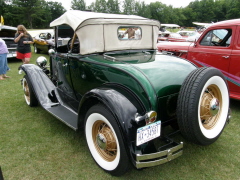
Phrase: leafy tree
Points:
(27, 11)
(100, 6)
(142, 9)
(113, 7)
(78, 5)
(52, 11)
(220, 10)
(91, 7)
(157, 12)
(233, 9)
(129, 7)
(39, 13)
(190, 16)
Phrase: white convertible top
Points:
(75, 18)
(99, 32)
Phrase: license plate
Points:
(11, 55)
(149, 132)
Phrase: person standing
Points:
(130, 31)
(137, 33)
(23, 40)
(3, 60)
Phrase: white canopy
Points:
(98, 32)
(75, 19)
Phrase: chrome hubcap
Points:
(101, 141)
(214, 106)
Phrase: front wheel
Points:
(29, 95)
(203, 106)
(105, 141)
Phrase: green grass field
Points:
(34, 145)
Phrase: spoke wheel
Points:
(210, 105)
(29, 95)
(203, 106)
(105, 141)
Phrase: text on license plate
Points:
(149, 132)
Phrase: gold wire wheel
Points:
(210, 106)
(104, 140)
(26, 91)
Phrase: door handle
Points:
(226, 57)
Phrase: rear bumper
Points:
(161, 157)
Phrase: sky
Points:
(174, 3)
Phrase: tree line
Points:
(38, 14)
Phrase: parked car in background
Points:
(180, 36)
(43, 42)
(170, 36)
(190, 36)
(217, 47)
(129, 99)
(7, 33)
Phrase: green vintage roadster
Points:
(131, 101)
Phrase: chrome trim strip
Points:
(163, 157)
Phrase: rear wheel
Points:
(105, 141)
(203, 106)
(29, 95)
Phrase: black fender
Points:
(41, 84)
(119, 105)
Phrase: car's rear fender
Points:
(121, 107)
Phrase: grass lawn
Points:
(34, 145)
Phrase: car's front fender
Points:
(42, 85)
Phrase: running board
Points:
(47, 95)
(65, 115)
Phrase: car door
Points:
(64, 83)
(214, 49)
(234, 68)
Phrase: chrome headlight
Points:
(51, 51)
(41, 61)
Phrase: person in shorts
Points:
(23, 40)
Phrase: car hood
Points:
(7, 31)
(174, 46)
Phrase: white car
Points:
(7, 33)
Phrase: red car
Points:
(218, 46)
(169, 36)
(181, 36)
